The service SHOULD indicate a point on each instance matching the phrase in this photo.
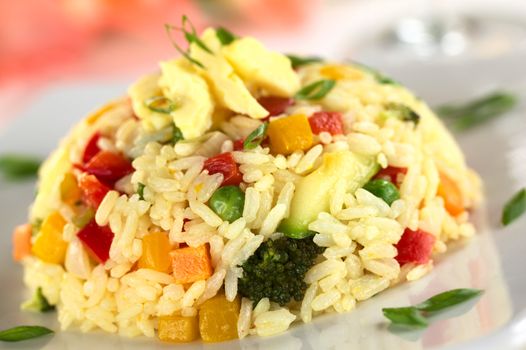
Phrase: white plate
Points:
(494, 260)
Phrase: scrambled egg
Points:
(192, 95)
(258, 66)
(229, 89)
(225, 83)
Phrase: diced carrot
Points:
(453, 200)
(21, 242)
(191, 264)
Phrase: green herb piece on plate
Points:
(23, 333)
(418, 316)
(140, 190)
(19, 166)
(471, 114)
(514, 208)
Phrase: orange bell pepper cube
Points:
(21, 241)
(453, 200)
(178, 329)
(290, 134)
(191, 264)
(156, 249)
(49, 245)
(218, 319)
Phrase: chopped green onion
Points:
(316, 90)
(38, 303)
(225, 36)
(255, 138)
(83, 217)
(190, 37)
(140, 190)
(514, 208)
(177, 134)
(471, 114)
(23, 333)
(18, 166)
(418, 316)
(35, 226)
(298, 61)
(401, 112)
(160, 104)
(383, 189)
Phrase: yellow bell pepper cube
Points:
(178, 329)
(290, 134)
(49, 245)
(70, 192)
(218, 319)
(339, 72)
(156, 249)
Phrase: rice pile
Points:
(358, 233)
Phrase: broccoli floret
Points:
(38, 303)
(277, 269)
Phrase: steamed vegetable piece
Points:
(191, 264)
(22, 241)
(418, 316)
(471, 114)
(330, 122)
(275, 105)
(97, 240)
(449, 190)
(415, 247)
(316, 90)
(313, 191)
(225, 164)
(20, 333)
(289, 134)
(514, 208)
(218, 319)
(93, 191)
(383, 189)
(277, 269)
(38, 303)
(91, 148)
(391, 174)
(178, 329)
(49, 245)
(18, 166)
(108, 166)
(156, 249)
(228, 203)
(70, 192)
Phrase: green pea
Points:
(383, 189)
(228, 203)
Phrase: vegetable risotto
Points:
(238, 191)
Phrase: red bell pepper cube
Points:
(97, 240)
(108, 166)
(224, 163)
(91, 149)
(330, 122)
(275, 105)
(238, 144)
(415, 247)
(391, 174)
(93, 191)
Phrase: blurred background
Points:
(49, 43)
